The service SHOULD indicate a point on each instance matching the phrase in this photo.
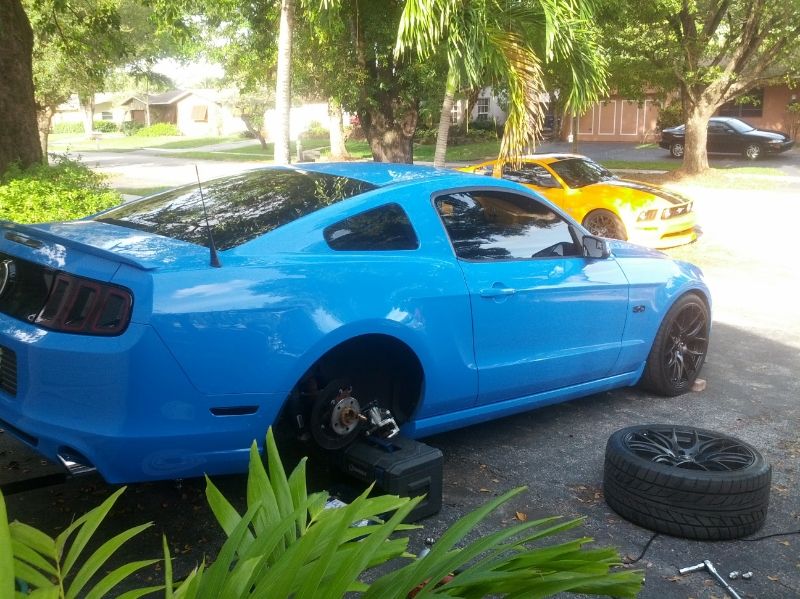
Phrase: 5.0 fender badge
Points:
(6, 274)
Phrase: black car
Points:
(729, 136)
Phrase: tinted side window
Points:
(379, 229)
(530, 173)
(490, 225)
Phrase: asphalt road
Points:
(753, 388)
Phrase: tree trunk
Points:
(695, 156)
(254, 130)
(444, 118)
(19, 141)
(44, 117)
(389, 139)
(87, 107)
(283, 85)
(336, 130)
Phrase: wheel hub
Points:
(345, 415)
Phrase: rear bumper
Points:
(124, 406)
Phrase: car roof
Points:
(378, 173)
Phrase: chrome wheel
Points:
(690, 448)
(752, 151)
(604, 224)
(676, 150)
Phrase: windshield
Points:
(580, 172)
(239, 208)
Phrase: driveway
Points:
(747, 253)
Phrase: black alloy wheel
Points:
(686, 481)
(679, 349)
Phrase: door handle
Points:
(497, 292)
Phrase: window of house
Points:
(492, 225)
(380, 229)
(454, 114)
(106, 115)
(200, 113)
(483, 109)
(750, 105)
(530, 173)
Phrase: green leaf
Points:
(299, 493)
(168, 583)
(30, 575)
(98, 559)
(35, 559)
(86, 526)
(223, 511)
(35, 539)
(280, 484)
(6, 554)
(116, 576)
(136, 593)
(51, 592)
(259, 490)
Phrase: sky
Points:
(188, 75)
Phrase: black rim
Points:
(686, 345)
(690, 449)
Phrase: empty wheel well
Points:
(379, 368)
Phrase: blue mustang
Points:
(159, 338)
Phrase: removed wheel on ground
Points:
(686, 482)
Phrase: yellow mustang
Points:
(604, 204)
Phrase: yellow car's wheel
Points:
(605, 223)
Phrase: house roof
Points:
(163, 99)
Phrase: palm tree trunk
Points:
(444, 118)
(338, 149)
(283, 85)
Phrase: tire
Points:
(752, 151)
(679, 349)
(686, 482)
(676, 149)
(604, 223)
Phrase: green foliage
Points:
(42, 193)
(67, 128)
(287, 544)
(105, 126)
(131, 127)
(315, 129)
(670, 115)
(158, 130)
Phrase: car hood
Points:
(120, 244)
(658, 192)
(765, 135)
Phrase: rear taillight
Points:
(78, 305)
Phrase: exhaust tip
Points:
(74, 462)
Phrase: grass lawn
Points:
(140, 191)
(114, 142)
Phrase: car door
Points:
(544, 316)
(721, 138)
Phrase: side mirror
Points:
(595, 247)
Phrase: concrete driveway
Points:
(557, 452)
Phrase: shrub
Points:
(288, 545)
(67, 128)
(105, 126)
(158, 130)
(670, 116)
(66, 190)
(130, 127)
(315, 130)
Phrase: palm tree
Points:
(283, 88)
(505, 43)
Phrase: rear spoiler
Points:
(32, 237)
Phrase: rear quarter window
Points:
(379, 229)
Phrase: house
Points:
(195, 112)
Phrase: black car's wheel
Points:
(335, 419)
(676, 149)
(686, 482)
(604, 223)
(752, 151)
(679, 349)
